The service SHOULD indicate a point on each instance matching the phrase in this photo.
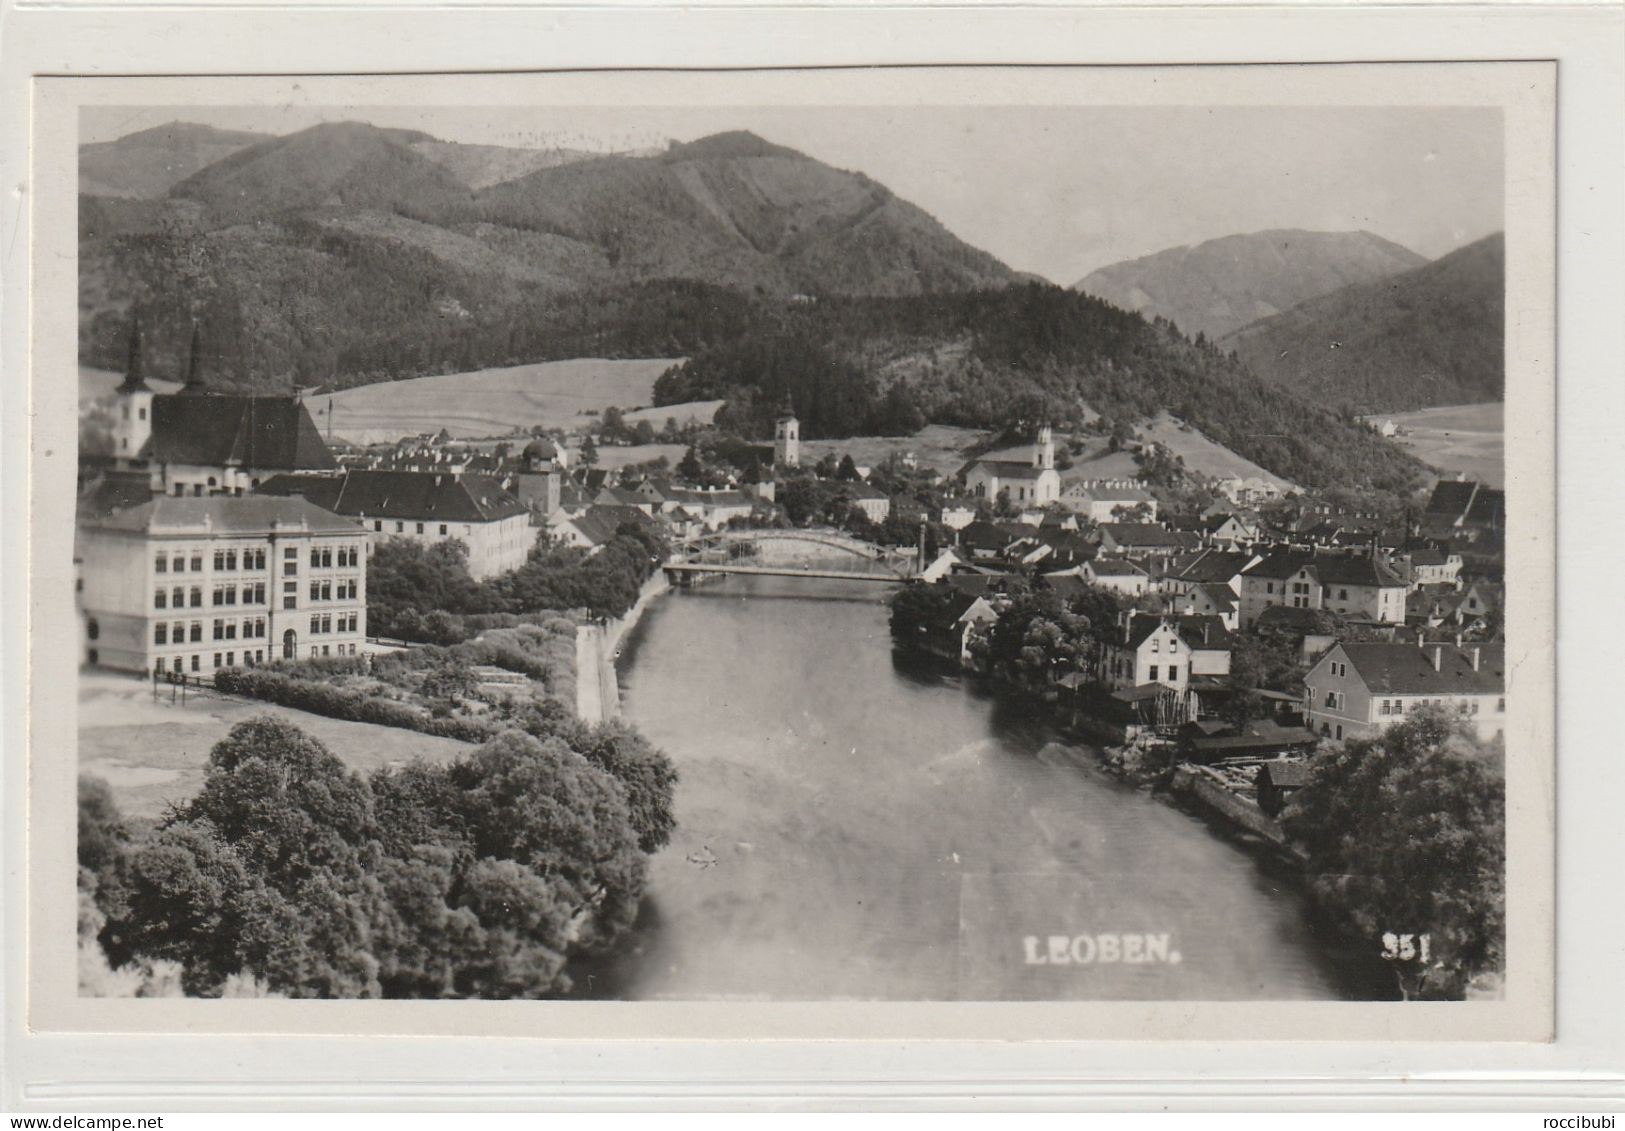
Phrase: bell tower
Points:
(134, 425)
(787, 441)
(1044, 453)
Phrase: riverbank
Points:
(598, 697)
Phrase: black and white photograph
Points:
(742, 552)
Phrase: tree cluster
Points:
(1406, 835)
(478, 878)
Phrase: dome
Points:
(539, 449)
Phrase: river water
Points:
(854, 826)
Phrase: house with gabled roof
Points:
(1117, 574)
(1032, 482)
(1359, 688)
(424, 506)
(1356, 585)
(1142, 539)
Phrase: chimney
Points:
(1474, 655)
(1438, 657)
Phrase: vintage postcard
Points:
(935, 552)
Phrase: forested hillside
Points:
(1432, 336)
(1012, 357)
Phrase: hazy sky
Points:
(1058, 191)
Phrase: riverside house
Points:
(1360, 688)
(1358, 586)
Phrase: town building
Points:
(872, 501)
(595, 526)
(1117, 574)
(1176, 651)
(1108, 500)
(1035, 483)
(189, 585)
(428, 507)
(1354, 585)
(787, 441)
(1358, 689)
(199, 442)
(1142, 539)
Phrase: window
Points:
(219, 559)
(197, 596)
(259, 559)
(315, 625)
(231, 559)
(219, 595)
(1173, 673)
(1501, 705)
(195, 662)
(400, 527)
(1156, 643)
(231, 630)
(1269, 587)
(327, 557)
(1339, 730)
(378, 524)
(315, 590)
(231, 659)
(290, 602)
(197, 563)
(289, 553)
(315, 558)
(1386, 708)
(160, 634)
(442, 528)
(420, 528)
(158, 665)
(180, 563)
(217, 659)
(327, 626)
(1154, 670)
(160, 600)
(219, 630)
(161, 563)
(324, 649)
(290, 569)
(177, 597)
(1342, 594)
(197, 632)
(212, 483)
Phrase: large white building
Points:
(428, 507)
(1033, 484)
(1351, 585)
(194, 584)
(1358, 688)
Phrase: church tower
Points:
(787, 440)
(195, 385)
(134, 425)
(1044, 453)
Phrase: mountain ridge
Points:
(1222, 284)
(1429, 336)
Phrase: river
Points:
(854, 826)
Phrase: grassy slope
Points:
(557, 394)
(1470, 439)
(153, 753)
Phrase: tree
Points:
(589, 451)
(691, 468)
(847, 471)
(1406, 835)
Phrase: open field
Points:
(699, 412)
(490, 402)
(1470, 439)
(153, 753)
(1199, 453)
(939, 446)
(613, 457)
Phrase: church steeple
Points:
(195, 384)
(134, 375)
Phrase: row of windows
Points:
(164, 561)
(194, 662)
(346, 589)
(324, 623)
(1173, 673)
(323, 557)
(400, 528)
(180, 632)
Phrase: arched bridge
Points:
(735, 551)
